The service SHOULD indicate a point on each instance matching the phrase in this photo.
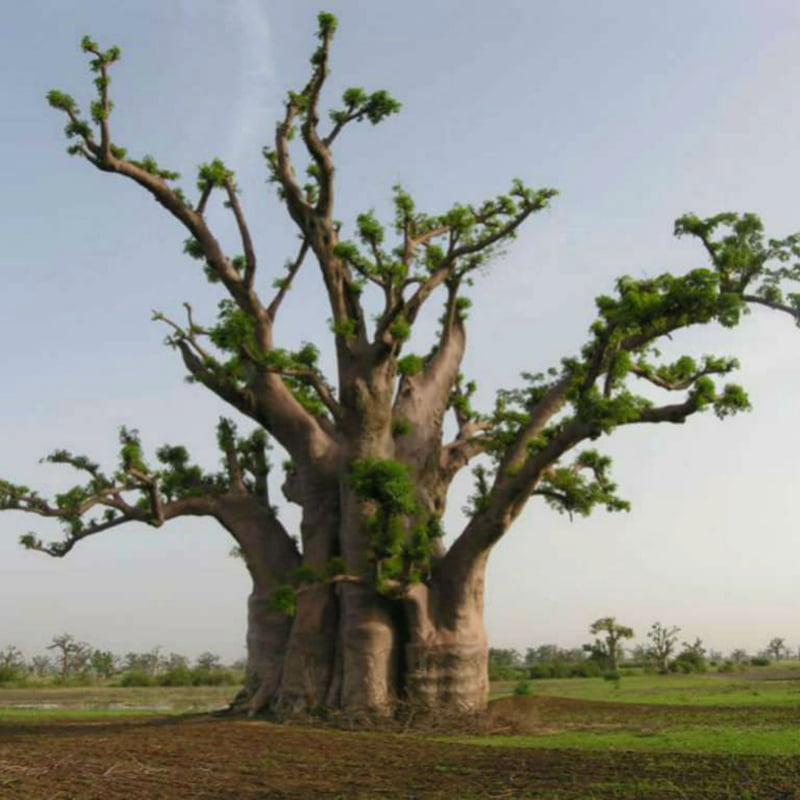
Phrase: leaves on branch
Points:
(748, 264)
(135, 492)
(579, 488)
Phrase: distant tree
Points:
(505, 657)
(148, 663)
(175, 661)
(208, 661)
(662, 644)
(692, 657)
(777, 648)
(41, 666)
(739, 656)
(104, 663)
(11, 657)
(608, 645)
(72, 656)
(12, 663)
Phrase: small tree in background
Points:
(148, 663)
(104, 663)
(777, 648)
(41, 666)
(208, 661)
(12, 663)
(662, 644)
(72, 656)
(692, 657)
(739, 656)
(608, 644)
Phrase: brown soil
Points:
(226, 759)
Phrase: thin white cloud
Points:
(252, 111)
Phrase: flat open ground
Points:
(536, 747)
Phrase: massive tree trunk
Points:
(422, 653)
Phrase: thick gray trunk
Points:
(425, 653)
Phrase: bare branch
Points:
(244, 233)
(763, 301)
(286, 283)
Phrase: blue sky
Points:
(637, 112)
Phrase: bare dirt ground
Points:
(227, 759)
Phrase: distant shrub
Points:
(612, 676)
(586, 669)
(10, 673)
(688, 662)
(539, 672)
(137, 677)
(759, 661)
(523, 689)
(178, 676)
(558, 669)
(213, 677)
(503, 672)
(727, 666)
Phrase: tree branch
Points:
(244, 233)
(286, 283)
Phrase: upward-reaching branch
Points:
(258, 391)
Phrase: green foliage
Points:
(149, 164)
(327, 24)
(347, 328)
(400, 427)
(388, 483)
(130, 451)
(401, 538)
(478, 501)
(62, 101)
(567, 489)
(180, 478)
(284, 599)
(358, 106)
(214, 174)
(692, 658)
(304, 574)
(335, 566)
(410, 365)
(523, 689)
(400, 329)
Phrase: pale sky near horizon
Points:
(635, 111)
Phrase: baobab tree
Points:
(366, 609)
(608, 644)
(662, 644)
(777, 648)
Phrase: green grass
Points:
(45, 714)
(698, 690)
(50, 702)
(751, 713)
(730, 740)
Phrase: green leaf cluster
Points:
(149, 164)
(359, 105)
(214, 175)
(581, 487)
(401, 537)
(745, 260)
(284, 599)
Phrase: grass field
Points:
(706, 737)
